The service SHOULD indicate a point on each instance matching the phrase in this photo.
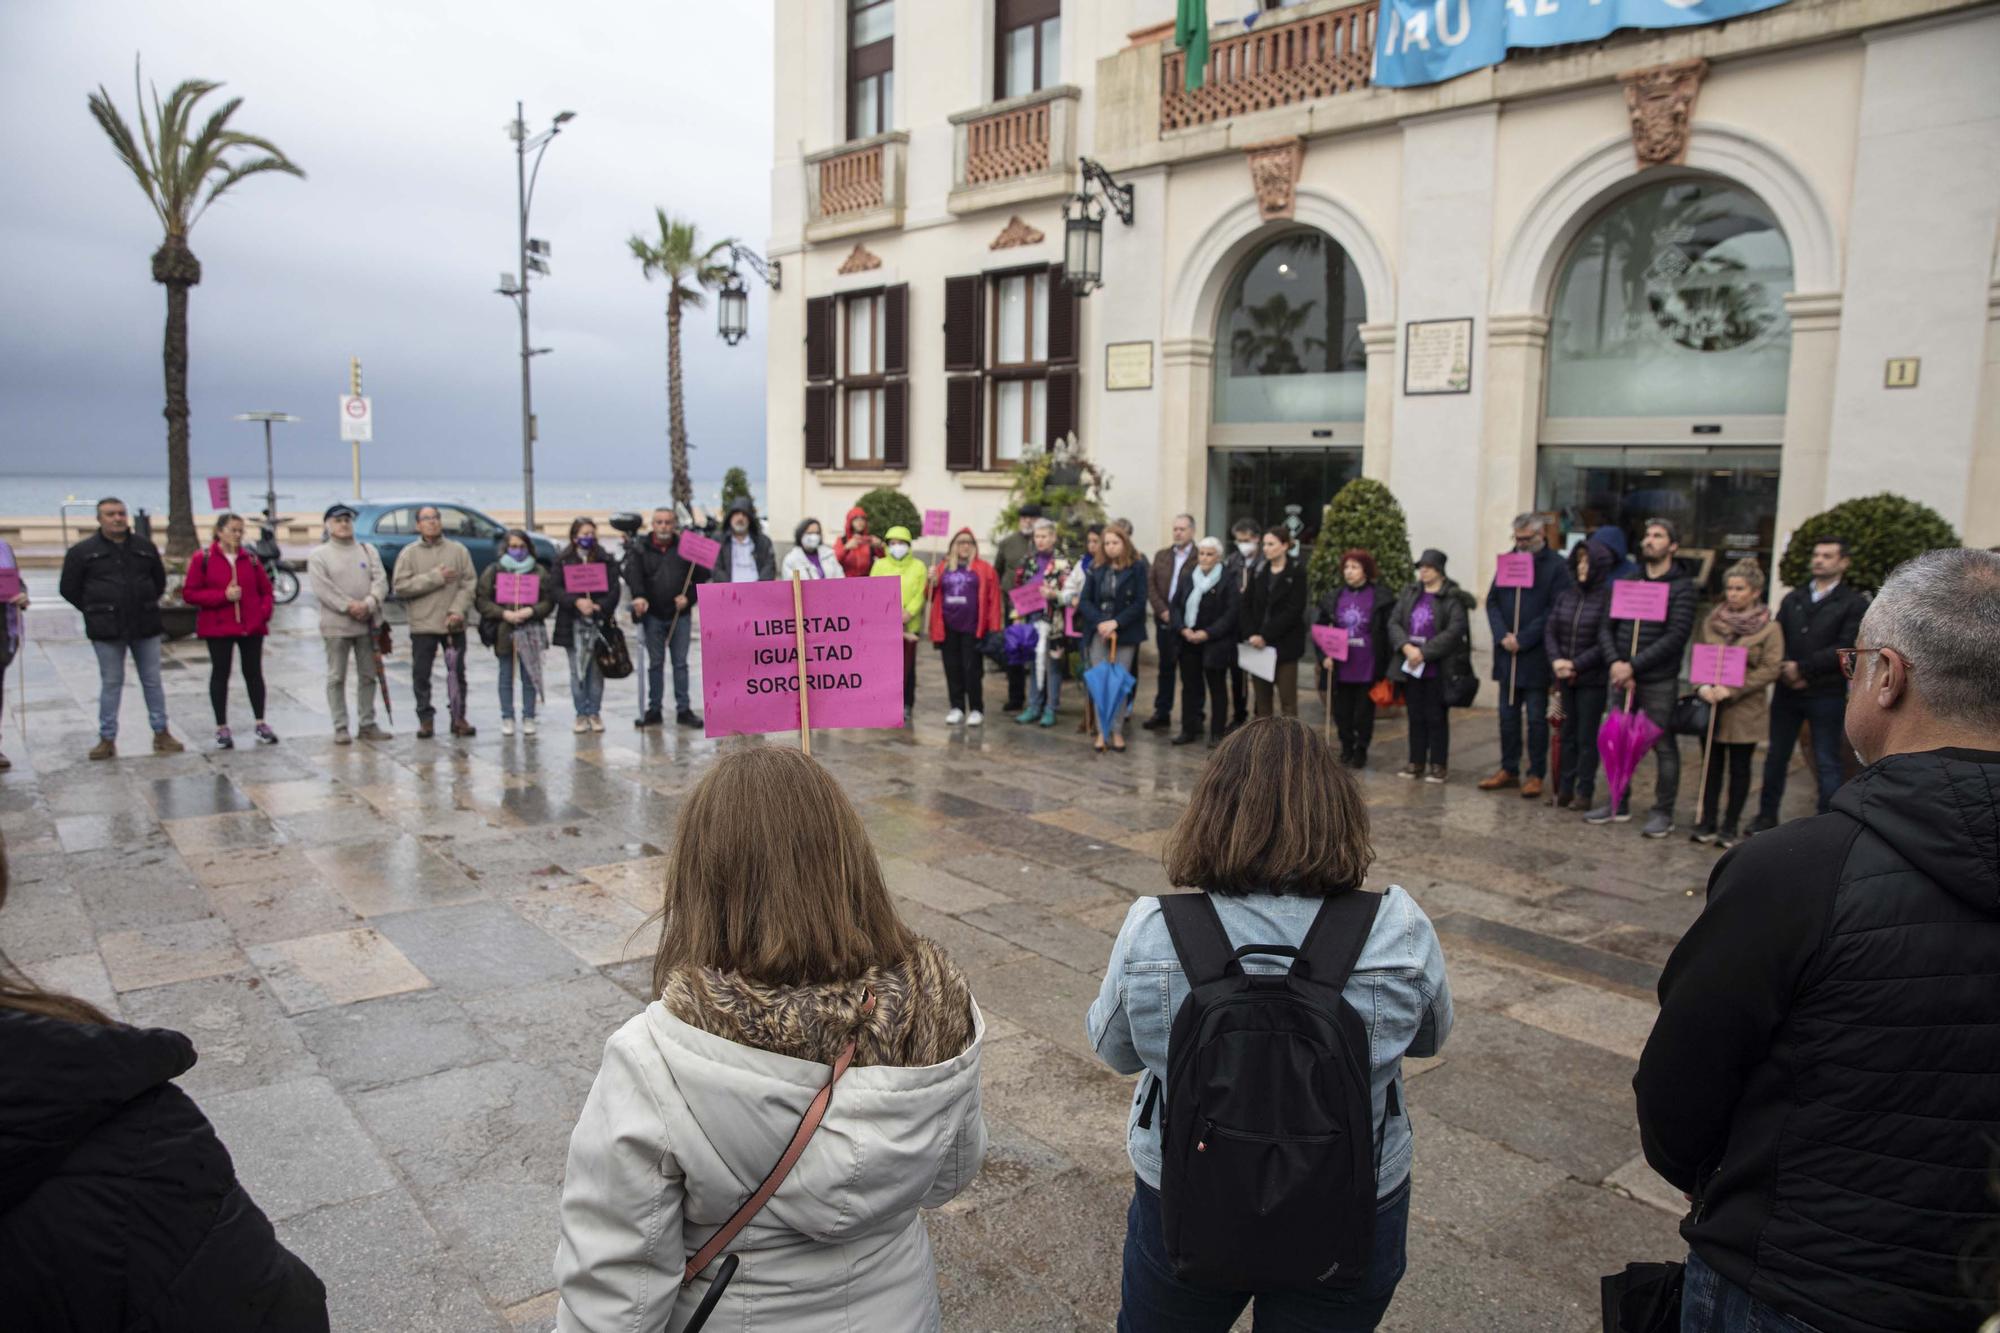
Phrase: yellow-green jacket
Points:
(915, 577)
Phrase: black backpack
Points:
(1267, 1171)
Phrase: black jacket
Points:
(1570, 634)
(1824, 1075)
(117, 586)
(1276, 609)
(1216, 615)
(1116, 594)
(1529, 668)
(119, 1208)
(659, 576)
(760, 548)
(1378, 623)
(1662, 643)
(606, 602)
(1814, 631)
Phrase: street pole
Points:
(354, 388)
(527, 397)
(270, 478)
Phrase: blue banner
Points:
(1429, 41)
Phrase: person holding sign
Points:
(1576, 660)
(1036, 589)
(1747, 647)
(515, 599)
(1517, 610)
(435, 582)
(1360, 608)
(233, 592)
(1274, 616)
(586, 602)
(856, 550)
(1112, 611)
(664, 576)
(1643, 639)
(1204, 609)
(1009, 554)
(965, 608)
(1428, 629)
(900, 564)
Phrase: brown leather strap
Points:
(808, 1124)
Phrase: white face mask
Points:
(898, 549)
(1247, 549)
(810, 541)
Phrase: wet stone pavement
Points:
(399, 963)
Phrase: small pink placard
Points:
(1719, 664)
(1069, 622)
(699, 550)
(1028, 598)
(518, 589)
(593, 577)
(1634, 599)
(10, 584)
(937, 523)
(1332, 641)
(1515, 569)
(218, 492)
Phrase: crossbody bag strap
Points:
(808, 1124)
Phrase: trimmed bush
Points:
(1363, 516)
(887, 507)
(1881, 532)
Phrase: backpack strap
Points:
(1200, 941)
(1339, 932)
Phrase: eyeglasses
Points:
(1850, 657)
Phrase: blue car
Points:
(390, 525)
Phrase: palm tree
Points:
(175, 165)
(677, 255)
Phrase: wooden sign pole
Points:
(799, 624)
(1707, 749)
(1514, 662)
(1632, 693)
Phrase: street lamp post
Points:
(1083, 225)
(270, 466)
(732, 308)
(533, 255)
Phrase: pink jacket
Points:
(207, 588)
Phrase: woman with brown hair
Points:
(1275, 834)
(119, 1208)
(1111, 612)
(780, 955)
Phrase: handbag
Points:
(614, 659)
(1645, 1298)
(1690, 716)
(994, 646)
(489, 632)
(1385, 693)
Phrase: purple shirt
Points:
(960, 588)
(1352, 613)
(1423, 616)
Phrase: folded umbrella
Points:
(454, 683)
(1624, 736)
(531, 640)
(382, 642)
(1109, 685)
(1556, 720)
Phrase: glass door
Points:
(1723, 500)
(1276, 487)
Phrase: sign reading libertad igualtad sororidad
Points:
(852, 634)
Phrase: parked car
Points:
(390, 525)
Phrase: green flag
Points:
(1191, 35)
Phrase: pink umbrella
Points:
(1624, 736)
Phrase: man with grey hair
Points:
(1166, 580)
(1823, 1079)
(1517, 616)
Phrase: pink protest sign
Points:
(1633, 599)
(10, 584)
(517, 589)
(218, 492)
(1719, 664)
(1516, 569)
(1028, 598)
(592, 577)
(937, 523)
(1332, 641)
(699, 550)
(854, 655)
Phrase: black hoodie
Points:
(119, 1208)
(1824, 1076)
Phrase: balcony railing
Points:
(1279, 63)
(1016, 140)
(857, 183)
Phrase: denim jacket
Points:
(1397, 987)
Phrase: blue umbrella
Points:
(1109, 685)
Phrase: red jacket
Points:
(858, 559)
(207, 587)
(990, 617)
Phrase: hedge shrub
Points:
(1881, 531)
(886, 508)
(1363, 516)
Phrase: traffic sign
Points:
(357, 418)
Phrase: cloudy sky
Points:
(391, 249)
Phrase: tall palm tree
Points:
(677, 255)
(182, 171)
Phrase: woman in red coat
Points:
(965, 608)
(230, 586)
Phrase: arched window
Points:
(1288, 336)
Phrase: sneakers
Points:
(580, 726)
(954, 717)
(1410, 771)
(975, 718)
(596, 722)
(1048, 717)
(1761, 824)
(266, 736)
(1727, 837)
(506, 726)
(104, 749)
(164, 743)
(1027, 715)
(527, 726)
(652, 718)
(371, 732)
(1531, 789)
(223, 740)
(1658, 824)
(341, 737)
(1703, 833)
(687, 717)
(1438, 774)
(1604, 814)
(1501, 779)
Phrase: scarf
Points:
(1199, 583)
(525, 565)
(1734, 625)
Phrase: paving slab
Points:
(386, 1270)
(241, 1039)
(297, 1146)
(181, 951)
(339, 967)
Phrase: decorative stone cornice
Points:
(1660, 102)
(1378, 339)
(859, 260)
(1016, 232)
(1519, 330)
(1274, 175)
(1198, 353)
(1813, 312)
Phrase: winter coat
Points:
(606, 602)
(1745, 718)
(760, 548)
(1823, 1076)
(117, 586)
(1529, 668)
(490, 607)
(207, 587)
(421, 587)
(1570, 631)
(991, 617)
(857, 555)
(799, 560)
(1160, 596)
(119, 1208)
(1276, 609)
(660, 576)
(1114, 594)
(1612, 538)
(343, 572)
(1011, 550)
(1217, 614)
(1662, 643)
(1378, 625)
(1450, 643)
(1814, 631)
(686, 1116)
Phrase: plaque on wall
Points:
(1128, 365)
(1437, 356)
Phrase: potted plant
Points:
(176, 616)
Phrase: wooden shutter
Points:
(896, 424)
(965, 322)
(819, 425)
(896, 329)
(1061, 398)
(964, 419)
(1065, 320)
(821, 312)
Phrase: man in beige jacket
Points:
(350, 587)
(435, 582)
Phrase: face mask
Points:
(518, 552)
(1246, 549)
(810, 541)
(586, 541)
(898, 549)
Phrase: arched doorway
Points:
(1290, 377)
(1668, 353)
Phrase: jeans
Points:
(1656, 701)
(1153, 1300)
(658, 644)
(964, 683)
(1170, 645)
(1430, 727)
(1790, 708)
(1354, 716)
(586, 683)
(423, 652)
(361, 648)
(1099, 650)
(251, 650)
(510, 666)
(1536, 704)
(1285, 687)
(1046, 694)
(1711, 1303)
(111, 681)
(1576, 762)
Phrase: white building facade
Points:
(1731, 274)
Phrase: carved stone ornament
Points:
(860, 260)
(1660, 101)
(1274, 175)
(1016, 232)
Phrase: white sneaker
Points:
(596, 722)
(974, 718)
(580, 726)
(506, 726)
(528, 726)
(954, 717)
